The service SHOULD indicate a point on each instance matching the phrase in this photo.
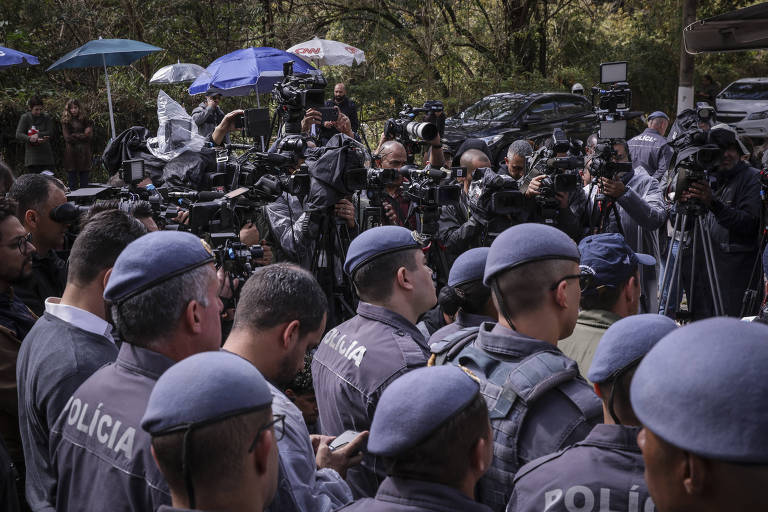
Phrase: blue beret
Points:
(611, 258)
(152, 259)
(417, 404)
(377, 242)
(626, 342)
(703, 389)
(205, 387)
(526, 243)
(469, 266)
(658, 113)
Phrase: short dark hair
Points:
(603, 297)
(374, 280)
(217, 452)
(31, 192)
(7, 208)
(101, 240)
(470, 297)
(140, 209)
(526, 287)
(444, 455)
(34, 101)
(616, 394)
(6, 178)
(281, 293)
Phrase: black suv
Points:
(502, 118)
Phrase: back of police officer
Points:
(431, 430)
(605, 470)
(358, 359)
(164, 301)
(651, 149)
(700, 395)
(538, 403)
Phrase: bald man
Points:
(346, 106)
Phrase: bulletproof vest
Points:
(510, 389)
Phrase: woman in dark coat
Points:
(78, 132)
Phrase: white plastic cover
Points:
(177, 131)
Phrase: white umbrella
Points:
(177, 73)
(324, 52)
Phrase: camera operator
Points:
(650, 149)
(37, 195)
(641, 210)
(208, 114)
(459, 231)
(733, 222)
(346, 107)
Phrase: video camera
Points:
(409, 132)
(603, 166)
(560, 167)
(295, 94)
(612, 100)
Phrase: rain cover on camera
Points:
(177, 131)
(327, 167)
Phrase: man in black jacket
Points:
(733, 222)
(346, 106)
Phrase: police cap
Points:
(205, 388)
(377, 242)
(527, 243)
(703, 389)
(658, 113)
(416, 405)
(626, 342)
(469, 266)
(611, 258)
(153, 259)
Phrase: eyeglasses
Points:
(22, 244)
(586, 277)
(278, 421)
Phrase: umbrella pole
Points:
(109, 96)
(258, 105)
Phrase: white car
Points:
(744, 105)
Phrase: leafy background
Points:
(454, 50)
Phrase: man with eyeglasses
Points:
(214, 434)
(208, 114)
(537, 400)
(280, 318)
(16, 320)
(612, 293)
(163, 294)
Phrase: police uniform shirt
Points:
(463, 320)
(401, 495)
(98, 449)
(651, 150)
(602, 472)
(353, 365)
(558, 418)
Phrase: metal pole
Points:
(109, 96)
(685, 85)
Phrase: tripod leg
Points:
(664, 281)
(709, 257)
(673, 294)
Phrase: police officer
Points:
(280, 318)
(650, 149)
(359, 358)
(164, 300)
(605, 470)
(700, 395)
(214, 436)
(431, 430)
(613, 293)
(533, 272)
(465, 295)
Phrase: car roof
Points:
(529, 95)
(757, 80)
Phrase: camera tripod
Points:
(695, 213)
(602, 208)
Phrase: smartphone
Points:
(329, 113)
(343, 440)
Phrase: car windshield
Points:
(497, 108)
(746, 91)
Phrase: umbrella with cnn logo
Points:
(325, 52)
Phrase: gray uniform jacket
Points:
(651, 150)
(301, 486)
(55, 358)
(99, 450)
(401, 495)
(557, 418)
(642, 211)
(463, 320)
(602, 472)
(353, 365)
(207, 118)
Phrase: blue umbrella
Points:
(10, 57)
(250, 69)
(105, 52)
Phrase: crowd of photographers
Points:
(320, 326)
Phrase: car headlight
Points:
(493, 139)
(754, 116)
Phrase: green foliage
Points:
(454, 50)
